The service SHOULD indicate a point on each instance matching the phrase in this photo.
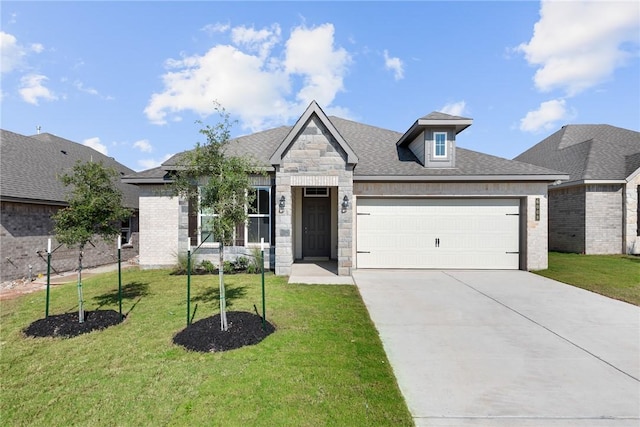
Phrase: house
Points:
(596, 211)
(367, 197)
(30, 193)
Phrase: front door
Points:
(316, 223)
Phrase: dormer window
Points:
(440, 145)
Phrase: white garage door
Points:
(438, 233)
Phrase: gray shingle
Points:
(30, 167)
(588, 152)
(379, 155)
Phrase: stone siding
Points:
(533, 240)
(632, 239)
(313, 158)
(603, 225)
(24, 232)
(567, 219)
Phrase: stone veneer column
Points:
(284, 225)
(345, 224)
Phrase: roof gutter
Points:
(476, 178)
(589, 182)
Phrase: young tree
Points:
(219, 184)
(95, 208)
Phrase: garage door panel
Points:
(438, 233)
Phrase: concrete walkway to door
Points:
(506, 348)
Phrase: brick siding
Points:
(24, 231)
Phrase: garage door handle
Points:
(363, 252)
(437, 242)
(512, 252)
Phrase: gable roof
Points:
(378, 155)
(435, 118)
(312, 110)
(588, 152)
(30, 166)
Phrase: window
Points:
(205, 225)
(259, 225)
(439, 144)
(316, 192)
(125, 231)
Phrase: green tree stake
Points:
(264, 326)
(46, 311)
(189, 284)
(120, 275)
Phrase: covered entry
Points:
(438, 233)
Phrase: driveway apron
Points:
(506, 348)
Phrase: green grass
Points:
(615, 276)
(324, 365)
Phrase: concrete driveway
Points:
(506, 348)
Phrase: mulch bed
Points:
(244, 329)
(204, 335)
(66, 325)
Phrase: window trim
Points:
(247, 243)
(308, 193)
(215, 243)
(435, 146)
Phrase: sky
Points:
(138, 80)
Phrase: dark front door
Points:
(316, 223)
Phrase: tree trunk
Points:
(80, 298)
(223, 300)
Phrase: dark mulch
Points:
(244, 329)
(66, 325)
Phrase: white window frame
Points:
(201, 214)
(308, 193)
(125, 232)
(247, 243)
(435, 146)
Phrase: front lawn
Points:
(324, 364)
(615, 276)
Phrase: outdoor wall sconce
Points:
(345, 203)
(281, 204)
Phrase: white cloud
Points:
(254, 78)
(37, 47)
(394, 64)
(11, 53)
(152, 163)
(545, 117)
(80, 86)
(311, 54)
(96, 145)
(32, 89)
(579, 44)
(216, 28)
(454, 108)
(143, 145)
(260, 41)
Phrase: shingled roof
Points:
(588, 152)
(30, 166)
(379, 156)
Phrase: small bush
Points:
(242, 263)
(208, 266)
(181, 264)
(253, 266)
(228, 267)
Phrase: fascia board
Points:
(458, 178)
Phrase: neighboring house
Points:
(596, 211)
(30, 193)
(368, 198)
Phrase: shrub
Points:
(253, 266)
(181, 264)
(208, 266)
